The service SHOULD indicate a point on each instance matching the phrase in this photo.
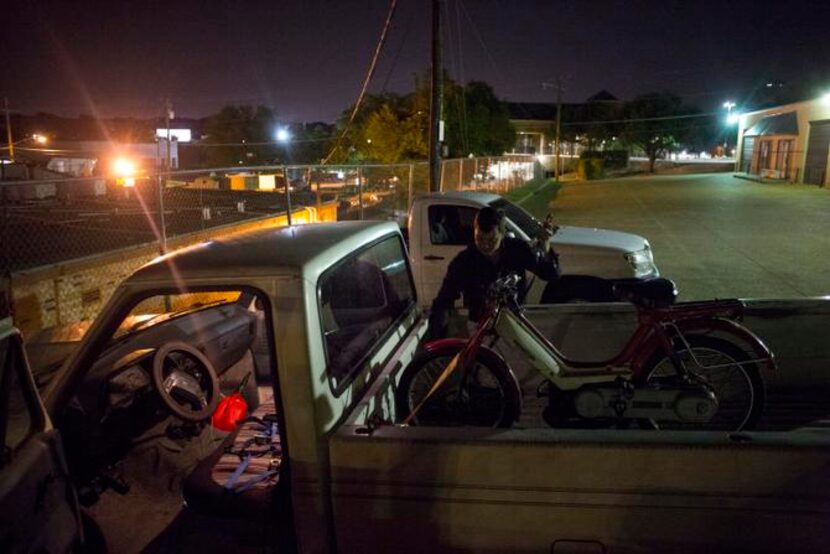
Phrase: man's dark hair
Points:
(489, 218)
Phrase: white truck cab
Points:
(441, 225)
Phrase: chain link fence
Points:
(66, 244)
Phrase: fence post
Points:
(287, 195)
(360, 192)
(409, 190)
(162, 224)
(441, 180)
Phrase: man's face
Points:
(488, 242)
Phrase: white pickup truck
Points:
(440, 225)
(314, 325)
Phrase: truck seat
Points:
(239, 478)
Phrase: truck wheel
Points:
(490, 398)
(736, 383)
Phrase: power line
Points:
(663, 118)
(367, 80)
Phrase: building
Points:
(85, 158)
(788, 143)
(535, 123)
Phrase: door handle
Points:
(433, 257)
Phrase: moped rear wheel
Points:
(491, 396)
(725, 368)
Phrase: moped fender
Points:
(725, 328)
(442, 343)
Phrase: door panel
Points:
(37, 502)
(815, 166)
(746, 154)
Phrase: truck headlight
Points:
(642, 262)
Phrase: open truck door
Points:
(38, 507)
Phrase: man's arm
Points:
(451, 287)
(545, 264)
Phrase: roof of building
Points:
(778, 124)
(603, 96)
(277, 251)
(571, 111)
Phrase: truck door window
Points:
(451, 225)
(361, 298)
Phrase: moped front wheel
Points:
(723, 367)
(487, 396)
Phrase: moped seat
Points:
(653, 293)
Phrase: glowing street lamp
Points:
(283, 135)
(731, 119)
(826, 99)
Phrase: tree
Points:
(232, 128)
(654, 126)
(477, 121)
(390, 128)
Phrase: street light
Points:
(826, 99)
(730, 120)
(283, 135)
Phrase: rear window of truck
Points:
(361, 299)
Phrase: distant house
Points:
(535, 123)
(789, 142)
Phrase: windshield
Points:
(158, 309)
(529, 225)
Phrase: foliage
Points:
(655, 128)
(610, 158)
(589, 168)
(235, 125)
(390, 128)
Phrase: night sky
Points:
(307, 58)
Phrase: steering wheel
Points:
(186, 381)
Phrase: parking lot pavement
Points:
(713, 234)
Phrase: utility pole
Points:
(9, 130)
(168, 113)
(557, 147)
(436, 100)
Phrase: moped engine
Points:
(685, 402)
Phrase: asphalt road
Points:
(713, 234)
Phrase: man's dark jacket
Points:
(471, 273)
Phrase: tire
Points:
(739, 389)
(494, 394)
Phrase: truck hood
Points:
(599, 238)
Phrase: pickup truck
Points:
(312, 326)
(440, 225)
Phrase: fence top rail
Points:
(258, 169)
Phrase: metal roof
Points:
(778, 124)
